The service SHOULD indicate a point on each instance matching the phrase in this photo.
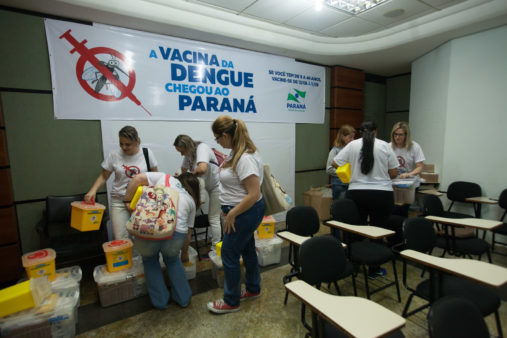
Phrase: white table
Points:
(356, 316)
(368, 231)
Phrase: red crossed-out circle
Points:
(80, 69)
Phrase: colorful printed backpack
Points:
(155, 214)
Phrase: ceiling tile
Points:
(411, 9)
(441, 3)
(351, 27)
(316, 21)
(277, 10)
(234, 5)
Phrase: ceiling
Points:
(383, 40)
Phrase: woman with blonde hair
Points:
(344, 136)
(410, 158)
(243, 207)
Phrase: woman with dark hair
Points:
(243, 206)
(199, 159)
(373, 165)
(187, 185)
(125, 163)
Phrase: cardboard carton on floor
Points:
(320, 199)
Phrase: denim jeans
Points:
(241, 243)
(338, 188)
(170, 249)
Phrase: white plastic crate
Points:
(269, 251)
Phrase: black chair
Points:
(363, 253)
(302, 221)
(201, 222)
(452, 317)
(459, 191)
(72, 246)
(322, 260)
(456, 240)
(420, 236)
(502, 229)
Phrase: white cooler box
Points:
(269, 251)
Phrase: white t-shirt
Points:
(204, 154)
(378, 178)
(232, 190)
(408, 159)
(125, 167)
(186, 204)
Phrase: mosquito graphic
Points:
(95, 77)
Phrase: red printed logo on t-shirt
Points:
(131, 171)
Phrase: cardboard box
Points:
(320, 199)
(429, 177)
(428, 168)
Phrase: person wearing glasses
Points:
(243, 208)
(410, 157)
(200, 160)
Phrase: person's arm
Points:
(138, 180)
(154, 169)
(253, 187)
(417, 170)
(101, 179)
(393, 173)
(201, 169)
(184, 248)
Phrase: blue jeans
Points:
(241, 243)
(170, 249)
(338, 188)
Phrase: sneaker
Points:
(219, 306)
(248, 295)
(375, 273)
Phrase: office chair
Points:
(420, 236)
(502, 229)
(72, 246)
(459, 191)
(453, 317)
(201, 222)
(302, 221)
(363, 252)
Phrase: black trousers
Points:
(377, 204)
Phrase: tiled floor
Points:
(266, 316)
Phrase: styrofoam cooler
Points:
(120, 286)
(269, 251)
(190, 266)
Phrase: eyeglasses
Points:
(218, 138)
(399, 134)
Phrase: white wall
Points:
(458, 111)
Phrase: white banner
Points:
(108, 73)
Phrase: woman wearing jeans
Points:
(188, 188)
(243, 207)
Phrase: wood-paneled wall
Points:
(347, 99)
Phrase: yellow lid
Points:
(87, 206)
(118, 244)
(38, 257)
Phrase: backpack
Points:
(221, 157)
(275, 198)
(155, 213)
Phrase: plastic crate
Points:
(269, 251)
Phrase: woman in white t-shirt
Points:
(243, 207)
(125, 163)
(199, 159)
(410, 157)
(373, 165)
(188, 187)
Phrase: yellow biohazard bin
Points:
(267, 228)
(24, 295)
(40, 263)
(86, 216)
(118, 254)
(219, 248)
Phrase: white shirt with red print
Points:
(125, 167)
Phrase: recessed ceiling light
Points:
(394, 13)
(353, 6)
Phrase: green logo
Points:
(296, 96)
